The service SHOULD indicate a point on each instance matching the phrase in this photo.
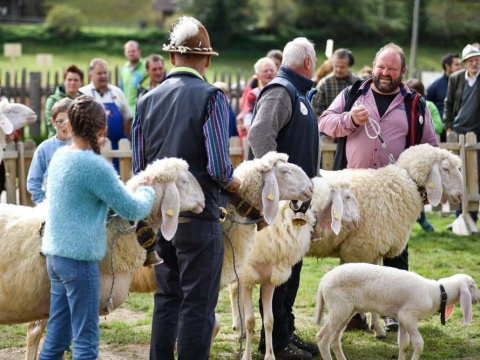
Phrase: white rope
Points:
(374, 124)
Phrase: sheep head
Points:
(334, 205)
(436, 169)
(15, 116)
(467, 294)
(279, 180)
(176, 190)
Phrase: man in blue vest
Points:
(285, 121)
(186, 117)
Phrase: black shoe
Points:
(357, 323)
(311, 347)
(291, 352)
(391, 324)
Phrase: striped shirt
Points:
(328, 89)
(215, 131)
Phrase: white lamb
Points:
(390, 201)
(25, 286)
(404, 295)
(13, 117)
(279, 247)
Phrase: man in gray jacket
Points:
(462, 104)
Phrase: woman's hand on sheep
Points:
(148, 180)
(234, 185)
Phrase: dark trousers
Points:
(399, 262)
(282, 307)
(188, 285)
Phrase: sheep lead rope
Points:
(238, 292)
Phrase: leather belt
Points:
(184, 220)
(443, 304)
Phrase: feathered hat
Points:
(189, 36)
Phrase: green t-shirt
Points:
(130, 80)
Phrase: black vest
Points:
(299, 137)
(172, 117)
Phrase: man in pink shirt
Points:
(389, 102)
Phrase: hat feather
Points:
(183, 30)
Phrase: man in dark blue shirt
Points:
(437, 91)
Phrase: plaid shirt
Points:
(328, 89)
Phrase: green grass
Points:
(433, 255)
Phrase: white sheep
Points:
(24, 294)
(271, 174)
(404, 295)
(390, 200)
(278, 248)
(13, 117)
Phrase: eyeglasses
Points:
(61, 123)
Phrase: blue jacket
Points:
(80, 187)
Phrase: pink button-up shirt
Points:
(363, 152)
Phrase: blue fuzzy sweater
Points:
(80, 187)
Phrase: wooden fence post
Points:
(30, 147)
(35, 101)
(471, 190)
(11, 172)
(125, 159)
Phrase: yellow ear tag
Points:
(270, 197)
(170, 212)
(431, 185)
(335, 215)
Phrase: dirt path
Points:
(125, 352)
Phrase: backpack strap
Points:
(351, 94)
(415, 106)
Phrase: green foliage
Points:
(225, 20)
(64, 21)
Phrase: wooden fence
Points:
(19, 156)
(31, 89)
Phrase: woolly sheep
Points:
(390, 203)
(13, 117)
(277, 248)
(270, 174)
(404, 295)
(24, 297)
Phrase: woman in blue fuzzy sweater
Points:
(81, 185)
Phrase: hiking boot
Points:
(391, 324)
(311, 347)
(152, 259)
(357, 322)
(291, 352)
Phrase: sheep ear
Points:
(6, 125)
(324, 218)
(337, 211)
(433, 185)
(170, 210)
(270, 197)
(466, 303)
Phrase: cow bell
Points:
(299, 219)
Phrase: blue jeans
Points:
(74, 306)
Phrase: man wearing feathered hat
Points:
(462, 104)
(185, 117)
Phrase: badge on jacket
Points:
(303, 108)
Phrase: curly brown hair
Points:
(87, 117)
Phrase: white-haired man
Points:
(185, 117)
(285, 121)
